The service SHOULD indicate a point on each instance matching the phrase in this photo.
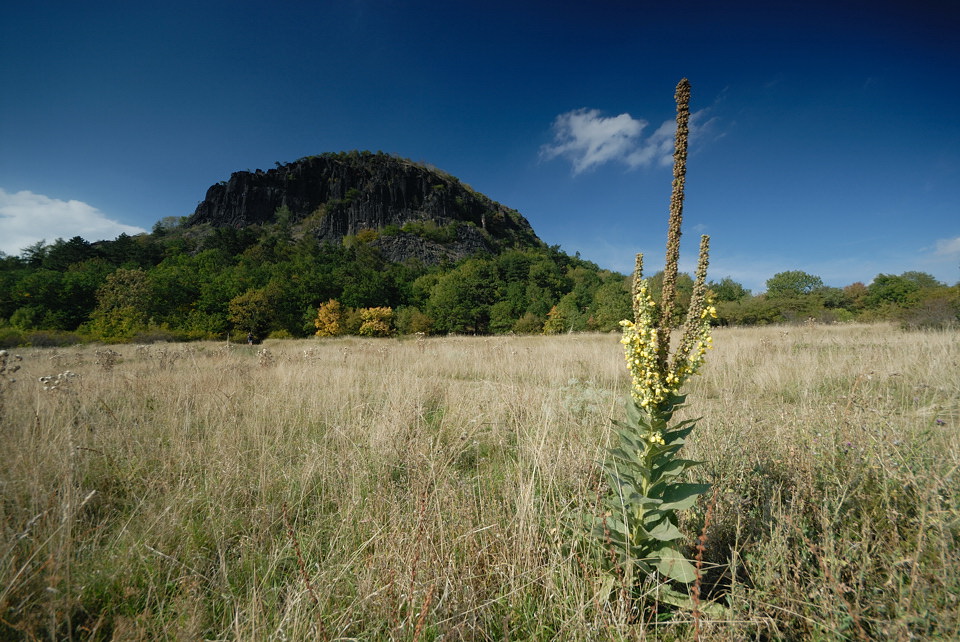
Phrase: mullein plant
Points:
(643, 467)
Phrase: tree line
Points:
(190, 283)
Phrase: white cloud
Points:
(26, 218)
(588, 139)
(948, 247)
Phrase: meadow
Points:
(441, 488)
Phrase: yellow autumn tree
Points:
(328, 319)
(377, 322)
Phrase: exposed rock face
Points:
(403, 246)
(335, 195)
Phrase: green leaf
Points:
(674, 598)
(675, 566)
(621, 483)
(629, 437)
(636, 498)
(637, 416)
(616, 525)
(678, 434)
(674, 403)
(682, 496)
(657, 489)
(665, 532)
(628, 456)
(674, 467)
(667, 595)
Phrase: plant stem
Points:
(668, 292)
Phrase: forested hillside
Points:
(262, 280)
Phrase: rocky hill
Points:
(406, 209)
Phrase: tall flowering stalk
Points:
(643, 469)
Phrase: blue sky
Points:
(826, 139)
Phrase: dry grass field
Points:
(419, 490)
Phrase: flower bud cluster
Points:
(641, 343)
(654, 378)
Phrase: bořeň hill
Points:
(375, 234)
(413, 211)
(395, 246)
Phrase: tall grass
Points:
(385, 489)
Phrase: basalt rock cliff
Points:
(407, 209)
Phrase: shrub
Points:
(376, 322)
(529, 323)
(940, 310)
(11, 338)
(329, 319)
(46, 339)
(410, 320)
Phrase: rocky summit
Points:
(407, 209)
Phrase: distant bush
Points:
(51, 339)
(156, 335)
(941, 310)
(529, 323)
(411, 320)
(377, 322)
(11, 338)
(431, 231)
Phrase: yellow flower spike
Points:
(657, 376)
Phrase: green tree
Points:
(546, 283)
(565, 316)
(529, 323)
(251, 312)
(503, 316)
(924, 280)
(175, 283)
(123, 306)
(28, 317)
(936, 308)
(728, 290)
(38, 289)
(754, 310)
(792, 284)
(856, 294)
(555, 323)
(78, 292)
(611, 303)
(461, 300)
(62, 254)
(127, 251)
(34, 254)
(891, 290)
(410, 320)
(683, 288)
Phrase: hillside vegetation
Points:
(409, 489)
(265, 250)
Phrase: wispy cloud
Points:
(587, 139)
(26, 218)
(948, 247)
